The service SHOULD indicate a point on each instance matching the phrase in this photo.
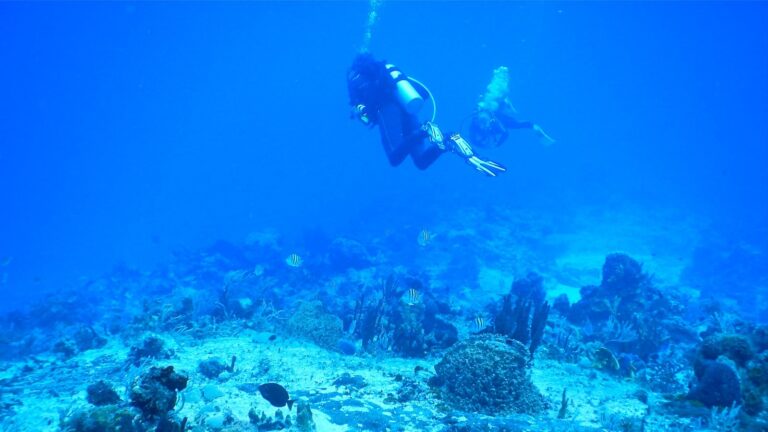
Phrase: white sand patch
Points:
(593, 395)
(297, 365)
(555, 290)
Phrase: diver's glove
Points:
(462, 147)
(360, 112)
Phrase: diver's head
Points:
(364, 79)
(364, 66)
(486, 131)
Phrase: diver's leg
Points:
(515, 124)
(461, 147)
(543, 135)
(512, 123)
(425, 153)
(428, 145)
(396, 146)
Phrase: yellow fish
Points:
(425, 237)
(294, 260)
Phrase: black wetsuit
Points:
(370, 84)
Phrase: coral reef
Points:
(263, 422)
(153, 396)
(311, 321)
(488, 374)
(525, 321)
(718, 385)
(735, 347)
(151, 347)
(731, 369)
(409, 390)
(304, 421)
(213, 367)
(99, 419)
(155, 392)
(626, 312)
(387, 323)
(368, 323)
(86, 338)
(101, 393)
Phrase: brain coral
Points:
(488, 374)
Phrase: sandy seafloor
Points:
(44, 387)
(596, 397)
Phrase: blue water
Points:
(129, 130)
(182, 186)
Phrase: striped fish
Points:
(479, 323)
(294, 260)
(425, 237)
(413, 297)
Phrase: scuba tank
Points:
(407, 95)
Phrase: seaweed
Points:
(385, 323)
(526, 321)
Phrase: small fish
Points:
(6, 261)
(425, 237)
(276, 394)
(294, 260)
(413, 297)
(479, 322)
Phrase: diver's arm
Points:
(512, 123)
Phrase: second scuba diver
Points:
(382, 95)
(495, 115)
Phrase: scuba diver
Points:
(495, 115)
(382, 95)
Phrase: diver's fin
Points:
(543, 135)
